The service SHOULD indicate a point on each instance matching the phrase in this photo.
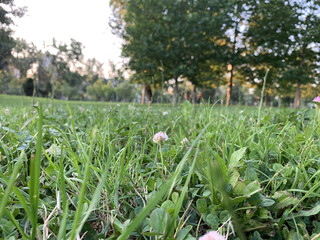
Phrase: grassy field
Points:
(92, 171)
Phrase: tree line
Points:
(216, 42)
(58, 70)
(178, 49)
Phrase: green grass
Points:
(91, 170)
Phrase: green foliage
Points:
(284, 35)
(7, 12)
(100, 90)
(203, 41)
(167, 39)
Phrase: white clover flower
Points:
(213, 235)
(165, 113)
(81, 109)
(25, 115)
(130, 107)
(159, 137)
(184, 141)
(6, 111)
(118, 105)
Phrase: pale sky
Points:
(84, 20)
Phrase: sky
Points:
(86, 21)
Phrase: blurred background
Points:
(162, 51)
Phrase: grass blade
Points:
(63, 224)
(35, 177)
(83, 188)
(10, 185)
(94, 201)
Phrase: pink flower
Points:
(159, 137)
(317, 99)
(6, 111)
(184, 141)
(213, 235)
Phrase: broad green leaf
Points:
(202, 205)
(308, 213)
(175, 197)
(267, 202)
(251, 188)
(234, 177)
(213, 221)
(308, 132)
(182, 234)
(169, 206)
(238, 188)
(236, 157)
(300, 137)
(159, 220)
(256, 236)
(284, 199)
(297, 236)
(277, 167)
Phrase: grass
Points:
(91, 171)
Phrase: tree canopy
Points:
(197, 40)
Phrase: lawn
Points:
(71, 170)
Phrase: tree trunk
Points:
(148, 92)
(194, 96)
(175, 91)
(271, 101)
(279, 102)
(215, 96)
(265, 100)
(5, 87)
(229, 92)
(296, 102)
(143, 93)
(52, 70)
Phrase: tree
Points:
(66, 62)
(285, 36)
(93, 70)
(305, 51)
(24, 56)
(6, 45)
(28, 86)
(166, 39)
(7, 12)
(99, 90)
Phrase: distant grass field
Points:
(92, 171)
